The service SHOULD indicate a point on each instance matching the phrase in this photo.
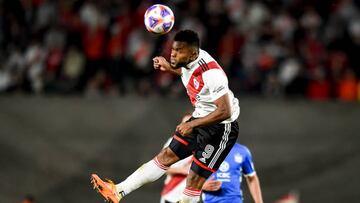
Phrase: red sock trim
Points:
(160, 165)
(191, 192)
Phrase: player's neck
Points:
(191, 62)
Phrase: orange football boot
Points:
(106, 189)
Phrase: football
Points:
(159, 19)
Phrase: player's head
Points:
(185, 48)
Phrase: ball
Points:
(159, 19)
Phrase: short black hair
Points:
(188, 36)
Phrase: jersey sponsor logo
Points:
(224, 166)
(223, 175)
(217, 90)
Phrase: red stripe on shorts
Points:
(202, 165)
(180, 140)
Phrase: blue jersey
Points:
(237, 163)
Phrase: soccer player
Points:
(223, 186)
(238, 163)
(209, 135)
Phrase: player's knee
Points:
(167, 157)
(194, 180)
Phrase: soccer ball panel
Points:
(159, 19)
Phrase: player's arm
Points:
(211, 185)
(162, 64)
(254, 187)
(222, 112)
(252, 179)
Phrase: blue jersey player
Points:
(237, 164)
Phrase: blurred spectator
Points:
(12, 73)
(46, 14)
(270, 48)
(288, 70)
(34, 60)
(117, 67)
(72, 68)
(5, 80)
(284, 26)
(358, 91)
(93, 36)
(337, 63)
(353, 46)
(312, 50)
(319, 86)
(271, 86)
(347, 87)
(257, 14)
(310, 20)
(290, 78)
(54, 43)
(139, 53)
(229, 50)
(265, 61)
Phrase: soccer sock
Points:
(148, 172)
(190, 195)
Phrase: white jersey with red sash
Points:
(205, 81)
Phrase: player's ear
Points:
(194, 53)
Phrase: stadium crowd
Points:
(276, 48)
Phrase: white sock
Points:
(190, 195)
(148, 172)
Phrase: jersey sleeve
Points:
(217, 83)
(248, 165)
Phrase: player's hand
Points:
(184, 128)
(212, 185)
(161, 63)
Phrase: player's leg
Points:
(146, 173)
(180, 147)
(215, 142)
(149, 171)
(192, 192)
